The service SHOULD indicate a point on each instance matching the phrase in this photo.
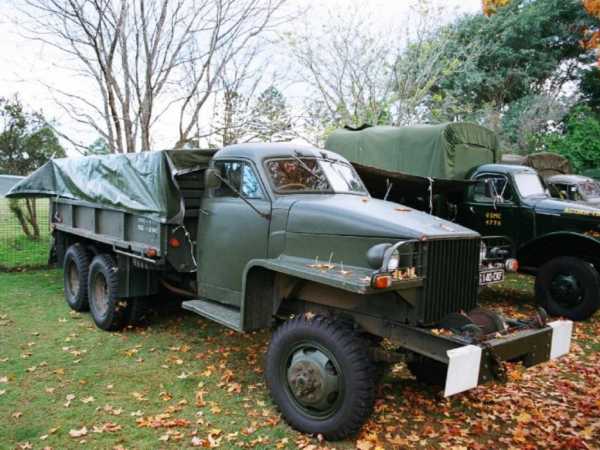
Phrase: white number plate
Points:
(491, 277)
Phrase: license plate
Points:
(491, 277)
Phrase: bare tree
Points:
(359, 73)
(146, 58)
(237, 84)
(347, 65)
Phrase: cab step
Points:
(225, 315)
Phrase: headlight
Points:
(394, 261)
(482, 252)
(376, 254)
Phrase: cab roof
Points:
(505, 169)
(569, 179)
(262, 151)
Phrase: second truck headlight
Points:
(482, 253)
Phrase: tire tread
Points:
(354, 348)
(81, 258)
(117, 317)
(592, 301)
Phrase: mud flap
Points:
(463, 369)
(562, 330)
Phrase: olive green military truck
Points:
(449, 170)
(259, 235)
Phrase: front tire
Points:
(108, 311)
(320, 376)
(76, 265)
(568, 287)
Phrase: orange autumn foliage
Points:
(592, 7)
(592, 40)
(491, 6)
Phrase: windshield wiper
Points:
(305, 167)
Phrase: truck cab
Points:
(503, 202)
(575, 188)
(556, 240)
(296, 206)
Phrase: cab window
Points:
(241, 176)
(490, 189)
(559, 191)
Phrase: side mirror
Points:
(212, 179)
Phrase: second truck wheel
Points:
(568, 287)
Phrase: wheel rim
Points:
(566, 290)
(313, 379)
(73, 279)
(100, 295)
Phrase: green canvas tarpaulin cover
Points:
(443, 152)
(138, 183)
(545, 163)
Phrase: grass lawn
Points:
(16, 249)
(183, 381)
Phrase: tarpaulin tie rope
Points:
(389, 188)
(430, 189)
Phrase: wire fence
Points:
(24, 233)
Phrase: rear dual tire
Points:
(108, 311)
(76, 266)
(92, 284)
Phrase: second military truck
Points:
(256, 235)
(449, 170)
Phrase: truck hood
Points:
(565, 208)
(354, 215)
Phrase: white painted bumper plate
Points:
(463, 369)
(562, 330)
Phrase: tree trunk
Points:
(28, 224)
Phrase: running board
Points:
(225, 315)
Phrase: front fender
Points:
(348, 278)
(538, 251)
(258, 299)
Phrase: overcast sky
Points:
(27, 67)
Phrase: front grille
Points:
(451, 278)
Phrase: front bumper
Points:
(474, 364)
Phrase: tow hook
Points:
(541, 318)
(497, 367)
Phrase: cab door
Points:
(231, 232)
(492, 207)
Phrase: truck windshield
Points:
(590, 189)
(313, 175)
(529, 185)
